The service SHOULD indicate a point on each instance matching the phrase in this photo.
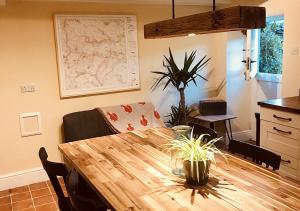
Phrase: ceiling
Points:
(177, 2)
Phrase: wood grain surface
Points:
(132, 173)
(223, 20)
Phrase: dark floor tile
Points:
(6, 207)
(29, 209)
(43, 200)
(40, 192)
(5, 200)
(4, 193)
(37, 186)
(54, 196)
(25, 204)
(49, 183)
(20, 197)
(47, 207)
(19, 189)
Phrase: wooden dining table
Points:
(132, 172)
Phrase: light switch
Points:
(28, 88)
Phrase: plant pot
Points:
(191, 176)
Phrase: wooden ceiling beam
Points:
(224, 20)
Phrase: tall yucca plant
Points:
(180, 78)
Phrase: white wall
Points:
(238, 90)
(291, 70)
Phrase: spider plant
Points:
(180, 78)
(196, 155)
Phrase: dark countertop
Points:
(289, 104)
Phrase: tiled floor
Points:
(34, 197)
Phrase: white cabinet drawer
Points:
(289, 166)
(280, 138)
(280, 117)
(288, 161)
(286, 171)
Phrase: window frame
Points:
(269, 77)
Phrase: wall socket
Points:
(28, 88)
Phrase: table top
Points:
(132, 173)
(214, 118)
(289, 104)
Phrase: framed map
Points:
(96, 53)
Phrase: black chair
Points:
(258, 154)
(77, 201)
(199, 129)
(54, 170)
(85, 124)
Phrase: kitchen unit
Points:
(280, 132)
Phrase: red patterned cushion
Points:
(129, 117)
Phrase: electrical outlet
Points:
(27, 88)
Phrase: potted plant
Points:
(175, 116)
(196, 156)
(180, 79)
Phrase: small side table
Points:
(212, 119)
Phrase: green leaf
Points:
(180, 78)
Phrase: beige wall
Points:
(291, 69)
(28, 55)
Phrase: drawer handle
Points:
(286, 161)
(282, 131)
(282, 118)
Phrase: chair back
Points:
(83, 125)
(199, 129)
(258, 154)
(54, 170)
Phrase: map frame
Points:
(131, 53)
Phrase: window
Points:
(271, 46)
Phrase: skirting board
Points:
(21, 178)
